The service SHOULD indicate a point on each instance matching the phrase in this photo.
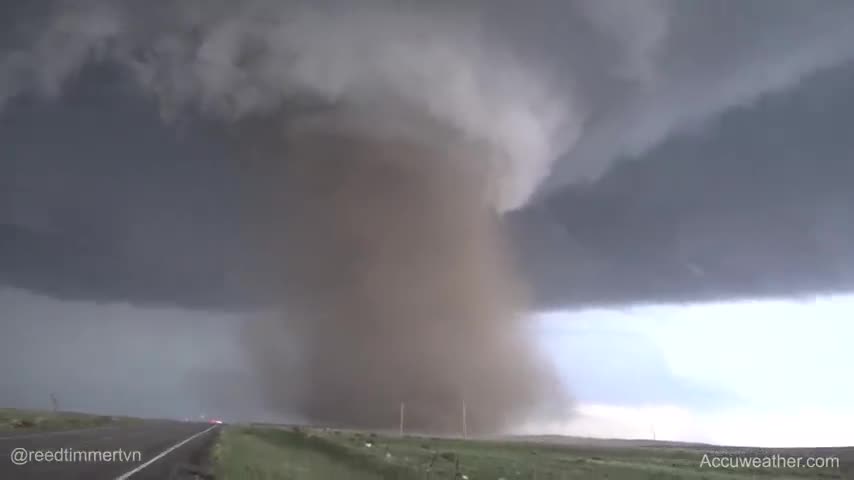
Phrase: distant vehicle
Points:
(215, 421)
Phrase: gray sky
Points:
(657, 152)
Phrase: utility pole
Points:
(401, 417)
(465, 426)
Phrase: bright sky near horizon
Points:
(762, 373)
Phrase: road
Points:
(167, 450)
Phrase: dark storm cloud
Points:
(101, 201)
(756, 205)
(123, 222)
(630, 74)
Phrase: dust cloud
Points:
(393, 279)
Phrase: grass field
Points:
(38, 420)
(255, 453)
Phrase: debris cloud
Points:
(399, 284)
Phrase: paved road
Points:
(168, 450)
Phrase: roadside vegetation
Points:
(255, 453)
(38, 420)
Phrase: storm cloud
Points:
(625, 78)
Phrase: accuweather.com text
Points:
(775, 461)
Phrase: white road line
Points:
(163, 454)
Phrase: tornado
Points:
(397, 282)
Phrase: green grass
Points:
(253, 454)
(37, 420)
(269, 453)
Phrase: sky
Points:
(674, 179)
(756, 373)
